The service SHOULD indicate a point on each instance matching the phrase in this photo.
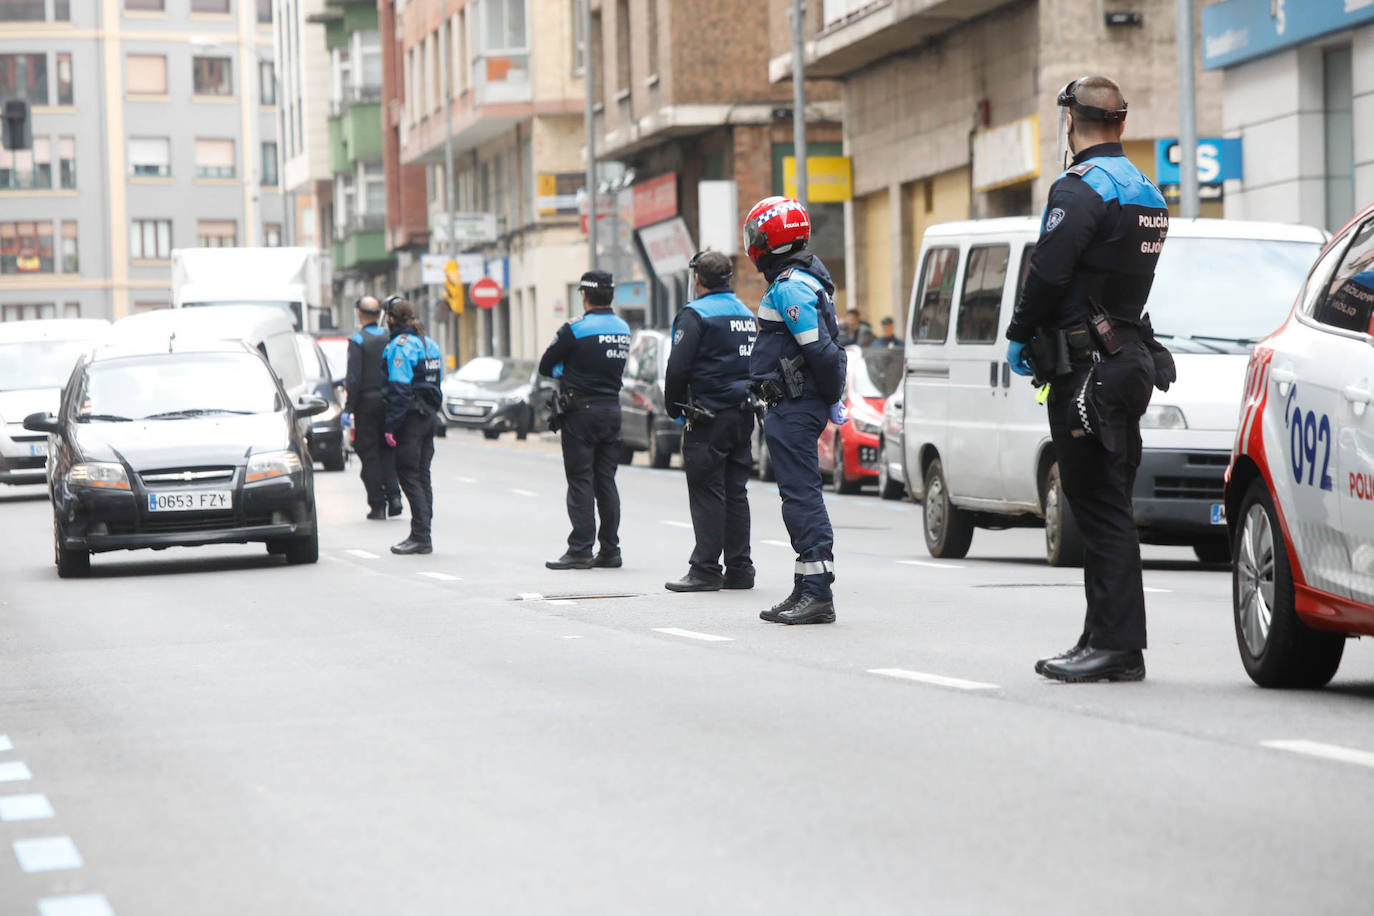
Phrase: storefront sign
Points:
(655, 200)
(558, 193)
(1007, 154)
(633, 293)
(668, 246)
(468, 228)
(432, 267)
(1241, 30)
(829, 179)
(1217, 160)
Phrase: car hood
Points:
(494, 391)
(16, 405)
(182, 443)
(1208, 390)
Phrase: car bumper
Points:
(501, 418)
(861, 455)
(1177, 495)
(326, 439)
(19, 464)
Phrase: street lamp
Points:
(252, 219)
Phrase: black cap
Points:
(597, 281)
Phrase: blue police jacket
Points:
(1101, 235)
(414, 370)
(797, 316)
(712, 339)
(589, 354)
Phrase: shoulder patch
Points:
(1081, 169)
(678, 335)
(1054, 218)
(794, 312)
(401, 341)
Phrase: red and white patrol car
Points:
(1300, 488)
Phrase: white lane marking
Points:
(1158, 591)
(777, 544)
(530, 596)
(897, 508)
(519, 492)
(1325, 751)
(5, 743)
(559, 601)
(363, 554)
(47, 853)
(466, 479)
(75, 905)
(673, 524)
(692, 634)
(929, 565)
(938, 680)
(25, 807)
(573, 637)
(442, 577)
(14, 771)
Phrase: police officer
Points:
(414, 370)
(589, 354)
(707, 382)
(364, 380)
(798, 369)
(1090, 276)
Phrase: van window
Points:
(1024, 270)
(935, 294)
(1349, 300)
(281, 353)
(981, 304)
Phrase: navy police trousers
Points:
(791, 430)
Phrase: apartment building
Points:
(154, 125)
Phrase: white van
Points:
(976, 444)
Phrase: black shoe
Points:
(393, 506)
(571, 561)
(694, 582)
(809, 609)
(771, 615)
(1061, 657)
(739, 578)
(378, 514)
(607, 560)
(410, 545)
(1098, 665)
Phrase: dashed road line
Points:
(442, 577)
(574, 637)
(5, 743)
(465, 479)
(362, 554)
(519, 492)
(675, 524)
(692, 634)
(1324, 751)
(25, 808)
(530, 596)
(777, 544)
(897, 508)
(47, 853)
(939, 680)
(559, 601)
(14, 771)
(75, 905)
(1158, 591)
(928, 564)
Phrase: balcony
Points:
(355, 95)
(355, 135)
(362, 244)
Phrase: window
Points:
(144, 5)
(981, 304)
(622, 44)
(26, 248)
(64, 78)
(271, 235)
(934, 296)
(24, 76)
(61, 10)
(214, 158)
(212, 75)
(1338, 129)
(150, 240)
(150, 157)
(579, 37)
(269, 165)
(267, 83)
(71, 261)
(370, 64)
(27, 169)
(146, 74)
(66, 159)
(264, 12)
(374, 190)
(217, 233)
(1349, 300)
(505, 21)
(209, 6)
(23, 11)
(27, 311)
(71, 310)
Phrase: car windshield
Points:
(38, 363)
(877, 370)
(336, 354)
(310, 362)
(485, 369)
(863, 382)
(1227, 290)
(177, 386)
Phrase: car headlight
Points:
(868, 426)
(107, 475)
(1163, 416)
(272, 464)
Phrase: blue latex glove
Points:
(1016, 356)
(839, 414)
(347, 420)
(680, 421)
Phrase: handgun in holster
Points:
(1048, 355)
(794, 383)
(559, 405)
(757, 405)
(694, 415)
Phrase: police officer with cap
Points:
(589, 354)
(1090, 276)
(707, 384)
(364, 380)
(414, 370)
(798, 369)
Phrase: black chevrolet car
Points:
(175, 443)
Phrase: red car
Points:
(849, 453)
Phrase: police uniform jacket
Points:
(414, 371)
(797, 316)
(366, 367)
(712, 339)
(589, 355)
(1100, 237)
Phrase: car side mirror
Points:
(42, 423)
(310, 404)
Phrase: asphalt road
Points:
(212, 732)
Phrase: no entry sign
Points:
(486, 292)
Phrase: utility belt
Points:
(791, 385)
(1057, 352)
(695, 415)
(571, 400)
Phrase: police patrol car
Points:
(1300, 487)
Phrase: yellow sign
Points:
(1007, 154)
(453, 288)
(829, 179)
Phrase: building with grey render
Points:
(154, 126)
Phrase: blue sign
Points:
(1239, 30)
(632, 293)
(1217, 160)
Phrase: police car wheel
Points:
(71, 564)
(1276, 647)
(1063, 540)
(948, 529)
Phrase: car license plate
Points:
(1218, 513)
(468, 411)
(191, 501)
(38, 449)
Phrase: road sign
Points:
(486, 292)
(432, 267)
(453, 288)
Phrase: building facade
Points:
(154, 125)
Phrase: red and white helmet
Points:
(776, 225)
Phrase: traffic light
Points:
(453, 288)
(18, 131)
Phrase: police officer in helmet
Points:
(798, 369)
(589, 354)
(414, 371)
(707, 384)
(365, 378)
(1090, 275)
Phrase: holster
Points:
(768, 392)
(1048, 354)
(792, 379)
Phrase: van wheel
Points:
(71, 564)
(948, 529)
(1276, 647)
(839, 478)
(1063, 540)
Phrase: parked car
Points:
(1300, 487)
(335, 347)
(495, 394)
(891, 467)
(178, 442)
(645, 424)
(849, 454)
(36, 358)
(326, 431)
(977, 450)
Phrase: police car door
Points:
(926, 386)
(972, 461)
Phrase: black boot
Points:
(695, 581)
(1098, 665)
(607, 559)
(739, 578)
(571, 561)
(410, 545)
(809, 609)
(393, 506)
(771, 615)
(377, 514)
(1061, 657)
